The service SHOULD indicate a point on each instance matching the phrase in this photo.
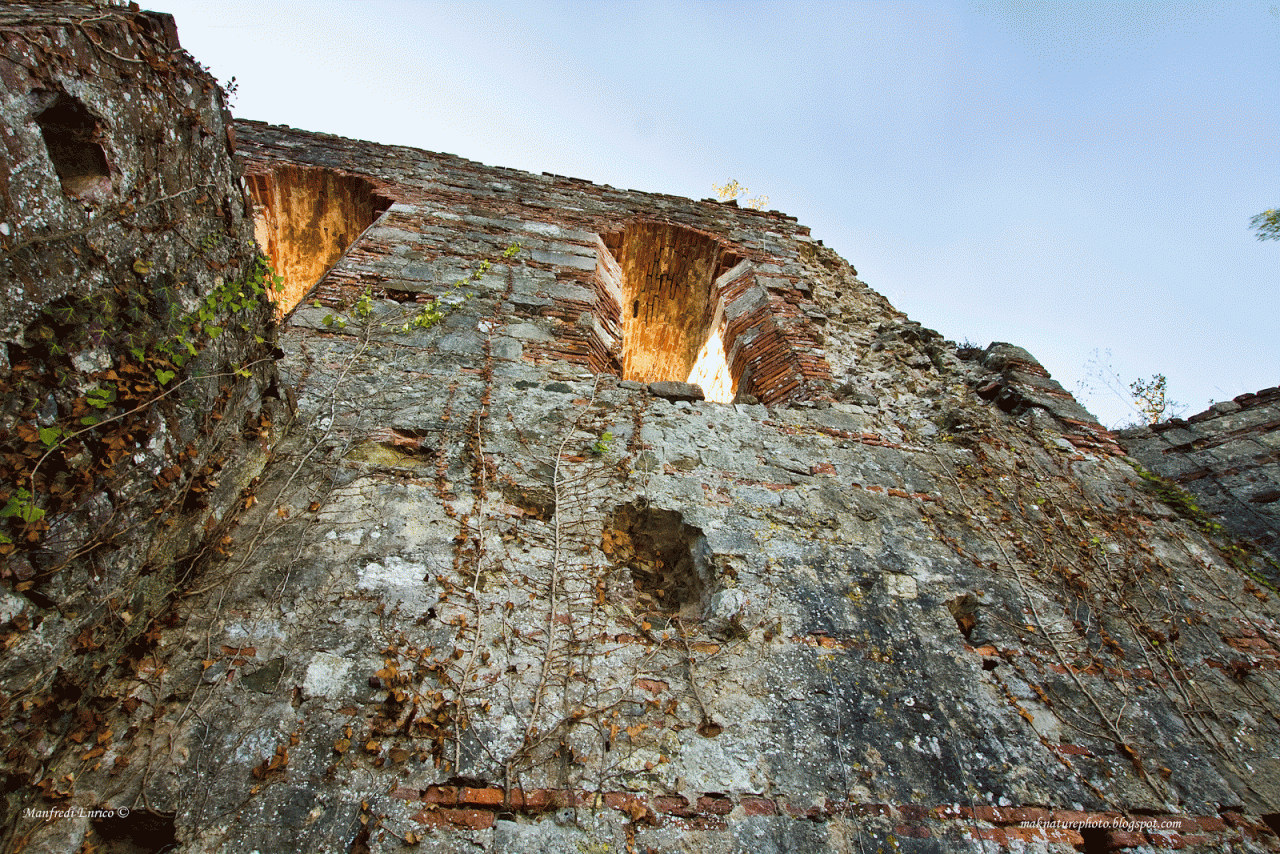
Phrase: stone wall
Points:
(134, 357)
(1228, 457)
(492, 593)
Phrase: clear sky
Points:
(1074, 177)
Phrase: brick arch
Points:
(677, 303)
(305, 219)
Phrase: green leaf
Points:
(163, 376)
(50, 435)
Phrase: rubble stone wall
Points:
(135, 355)
(1228, 457)
(488, 593)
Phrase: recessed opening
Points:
(669, 561)
(964, 608)
(1272, 820)
(140, 832)
(306, 219)
(70, 132)
(666, 273)
(1096, 840)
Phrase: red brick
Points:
(869, 809)
(758, 806)
(1188, 840)
(913, 831)
(1213, 824)
(913, 812)
(715, 806)
(1029, 814)
(672, 805)
(822, 468)
(653, 686)
(1125, 839)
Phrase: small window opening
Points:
(669, 561)
(306, 219)
(667, 273)
(70, 134)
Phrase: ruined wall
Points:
(134, 356)
(1228, 457)
(489, 593)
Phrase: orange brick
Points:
(481, 797)
(444, 795)
(533, 800)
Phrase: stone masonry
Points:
(597, 520)
(1228, 457)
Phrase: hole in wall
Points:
(140, 832)
(1272, 820)
(1096, 840)
(669, 561)
(70, 134)
(306, 219)
(964, 608)
(666, 273)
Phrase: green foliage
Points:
(602, 444)
(101, 397)
(432, 313)
(1267, 224)
(1186, 506)
(228, 300)
(21, 507)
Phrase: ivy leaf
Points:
(163, 376)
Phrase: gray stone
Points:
(676, 391)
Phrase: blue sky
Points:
(1075, 178)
